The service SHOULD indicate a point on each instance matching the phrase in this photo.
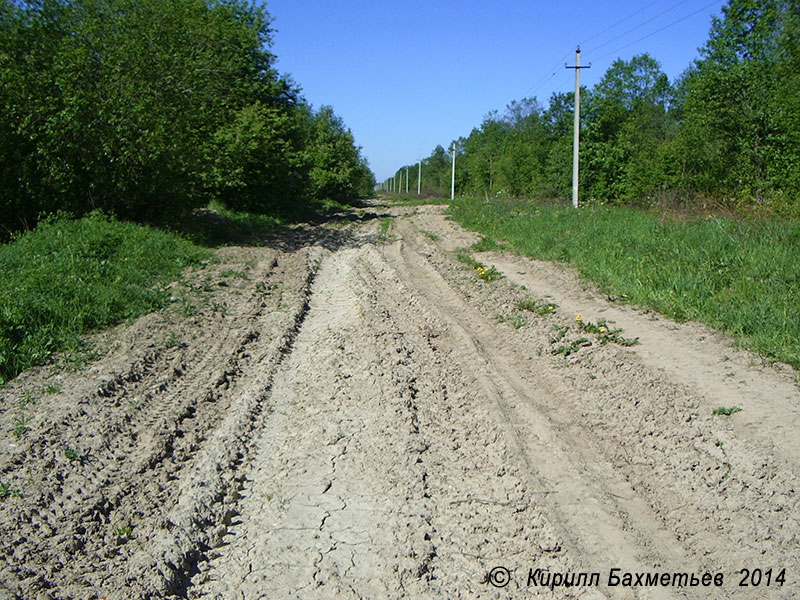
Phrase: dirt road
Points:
(349, 412)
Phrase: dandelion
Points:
(578, 318)
(602, 330)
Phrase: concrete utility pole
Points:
(576, 134)
(419, 177)
(453, 178)
(406, 180)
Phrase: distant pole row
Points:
(395, 184)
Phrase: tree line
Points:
(727, 132)
(147, 109)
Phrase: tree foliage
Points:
(147, 108)
(338, 172)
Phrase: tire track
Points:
(142, 434)
(382, 471)
(349, 422)
(563, 461)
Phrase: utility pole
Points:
(406, 180)
(419, 176)
(453, 177)
(576, 134)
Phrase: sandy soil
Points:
(349, 415)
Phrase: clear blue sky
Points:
(406, 76)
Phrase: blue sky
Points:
(406, 76)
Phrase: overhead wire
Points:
(546, 78)
(553, 71)
(639, 26)
(620, 22)
(661, 29)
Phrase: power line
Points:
(555, 70)
(633, 14)
(639, 26)
(563, 82)
(661, 29)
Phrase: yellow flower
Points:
(602, 330)
(578, 318)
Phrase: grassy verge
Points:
(741, 277)
(68, 277)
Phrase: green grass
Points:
(72, 455)
(741, 277)
(21, 426)
(516, 321)
(542, 308)
(481, 270)
(571, 348)
(69, 277)
(606, 333)
(385, 224)
(726, 411)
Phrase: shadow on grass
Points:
(288, 230)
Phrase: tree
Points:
(338, 172)
(436, 173)
(482, 153)
(147, 108)
(740, 126)
(258, 160)
(728, 129)
(627, 117)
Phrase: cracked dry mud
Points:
(350, 415)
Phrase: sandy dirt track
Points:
(346, 414)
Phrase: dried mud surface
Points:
(343, 414)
